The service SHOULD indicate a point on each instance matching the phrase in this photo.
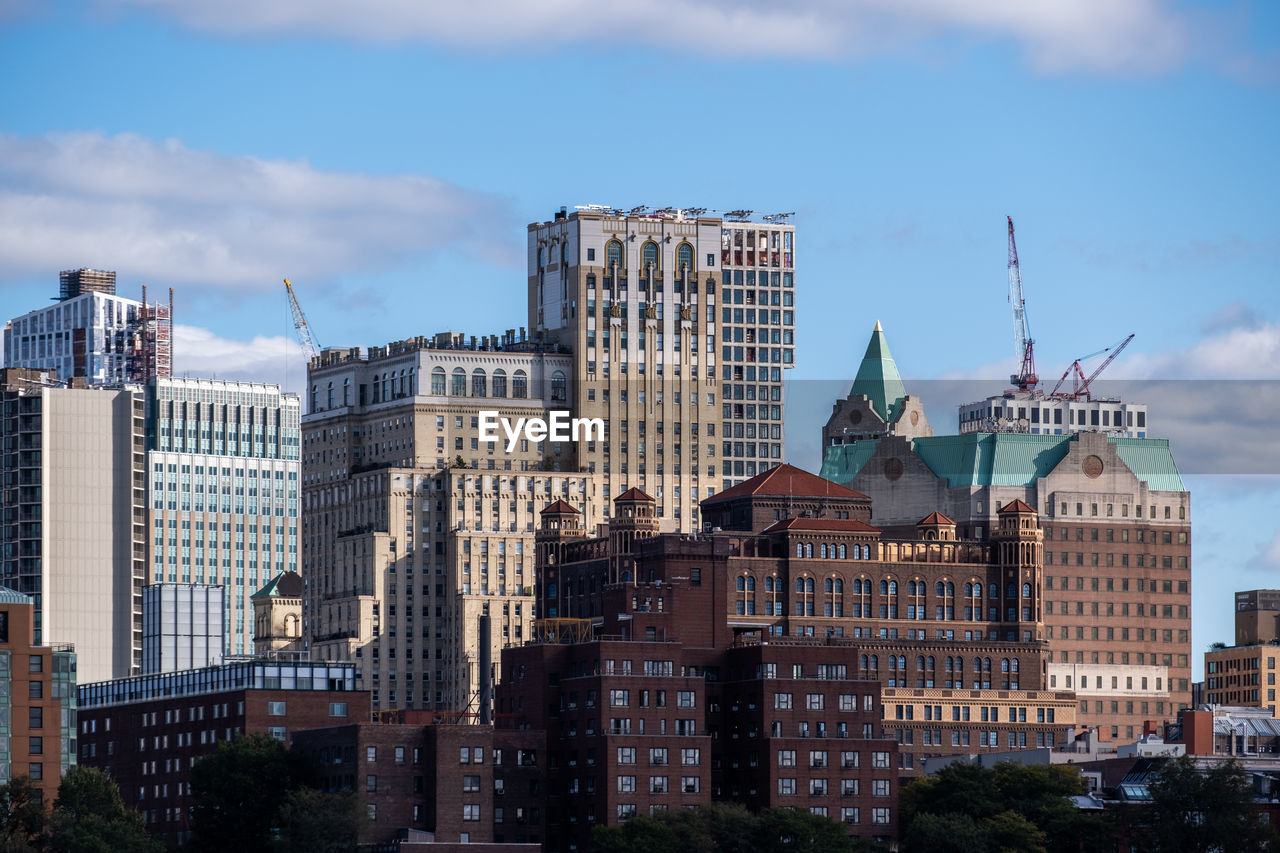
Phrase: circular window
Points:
(1092, 467)
(915, 418)
(855, 417)
(892, 469)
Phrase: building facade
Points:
(72, 521)
(38, 706)
(223, 495)
(147, 731)
(418, 536)
(183, 626)
(1037, 413)
(93, 334)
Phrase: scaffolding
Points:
(150, 353)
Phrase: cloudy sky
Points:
(386, 156)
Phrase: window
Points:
(371, 754)
(782, 701)
(815, 701)
(626, 755)
(371, 783)
(470, 784)
(337, 709)
(275, 709)
(692, 757)
(690, 784)
(880, 787)
(786, 758)
(626, 784)
(787, 787)
(471, 811)
(880, 760)
(880, 816)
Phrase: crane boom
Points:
(1024, 346)
(300, 323)
(1115, 351)
(1080, 383)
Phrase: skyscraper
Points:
(72, 520)
(93, 334)
(417, 540)
(222, 472)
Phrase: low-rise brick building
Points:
(147, 731)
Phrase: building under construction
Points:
(93, 334)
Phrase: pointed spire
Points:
(878, 377)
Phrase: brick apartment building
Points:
(147, 731)
(38, 723)
(429, 781)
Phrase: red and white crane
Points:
(1080, 383)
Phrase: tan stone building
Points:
(277, 615)
(417, 538)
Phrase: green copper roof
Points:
(1152, 461)
(9, 596)
(283, 585)
(1007, 459)
(991, 459)
(842, 462)
(878, 378)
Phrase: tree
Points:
(90, 817)
(239, 791)
(22, 815)
(724, 828)
(965, 807)
(312, 820)
(1205, 809)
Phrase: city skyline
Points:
(357, 155)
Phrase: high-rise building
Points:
(1116, 520)
(681, 326)
(37, 700)
(757, 340)
(634, 300)
(1037, 413)
(93, 334)
(72, 524)
(417, 541)
(222, 474)
(1257, 617)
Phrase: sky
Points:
(387, 155)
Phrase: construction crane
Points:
(300, 324)
(1080, 383)
(1025, 379)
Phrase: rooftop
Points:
(787, 480)
(878, 379)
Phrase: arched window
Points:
(920, 662)
(479, 383)
(458, 387)
(951, 588)
(799, 549)
(519, 385)
(862, 662)
(684, 260)
(559, 392)
(1004, 664)
(866, 552)
(839, 584)
(1026, 590)
(808, 585)
(842, 552)
(751, 584)
(893, 587)
(742, 583)
(612, 256)
(499, 383)
(977, 590)
(875, 662)
(346, 391)
(827, 585)
(808, 550)
(329, 404)
(799, 584)
(648, 258)
(884, 587)
(939, 589)
(824, 550)
(1013, 665)
(437, 381)
(968, 590)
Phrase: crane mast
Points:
(1024, 346)
(300, 323)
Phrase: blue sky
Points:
(387, 155)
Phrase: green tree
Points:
(312, 820)
(89, 817)
(724, 828)
(639, 835)
(240, 790)
(22, 815)
(1210, 809)
(1018, 807)
(786, 829)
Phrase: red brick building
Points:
(448, 783)
(38, 701)
(147, 731)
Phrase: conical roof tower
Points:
(878, 379)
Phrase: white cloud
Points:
(1103, 35)
(1268, 557)
(169, 214)
(1247, 351)
(198, 352)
